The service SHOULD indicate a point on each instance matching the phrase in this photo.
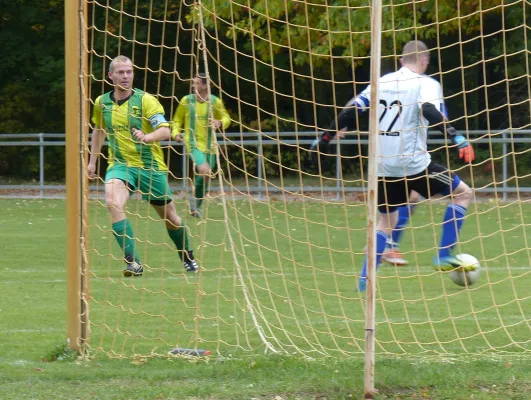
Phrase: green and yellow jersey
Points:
(192, 117)
(141, 111)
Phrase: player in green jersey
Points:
(134, 123)
(192, 116)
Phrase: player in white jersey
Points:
(402, 150)
(410, 102)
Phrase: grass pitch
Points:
(297, 264)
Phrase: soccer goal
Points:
(282, 235)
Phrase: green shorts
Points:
(152, 184)
(198, 157)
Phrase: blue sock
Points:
(404, 213)
(381, 239)
(452, 223)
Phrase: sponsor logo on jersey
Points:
(120, 128)
(135, 112)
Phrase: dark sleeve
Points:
(436, 119)
(344, 117)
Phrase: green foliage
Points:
(27, 111)
(28, 170)
(32, 76)
(282, 52)
(300, 38)
(279, 159)
(324, 27)
(61, 352)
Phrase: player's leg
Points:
(444, 182)
(178, 234)
(202, 179)
(118, 181)
(157, 192)
(390, 193)
(204, 164)
(453, 219)
(392, 254)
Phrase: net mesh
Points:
(281, 240)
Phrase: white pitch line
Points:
(432, 269)
(457, 319)
(435, 321)
(275, 273)
(24, 362)
(33, 281)
(258, 274)
(30, 330)
(15, 270)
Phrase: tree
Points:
(315, 42)
(32, 67)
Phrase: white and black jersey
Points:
(403, 130)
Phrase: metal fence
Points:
(260, 140)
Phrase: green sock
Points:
(200, 190)
(181, 239)
(123, 232)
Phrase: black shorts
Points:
(394, 192)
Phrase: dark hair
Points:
(203, 77)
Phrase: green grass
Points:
(299, 263)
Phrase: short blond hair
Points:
(413, 50)
(119, 59)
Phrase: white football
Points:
(460, 276)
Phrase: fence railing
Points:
(260, 140)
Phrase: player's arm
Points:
(355, 106)
(221, 116)
(154, 112)
(97, 139)
(439, 121)
(430, 97)
(177, 122)
(159, 134)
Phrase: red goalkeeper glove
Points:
(467, 154)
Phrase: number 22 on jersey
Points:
(387, 124)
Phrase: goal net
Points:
(281, 239)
